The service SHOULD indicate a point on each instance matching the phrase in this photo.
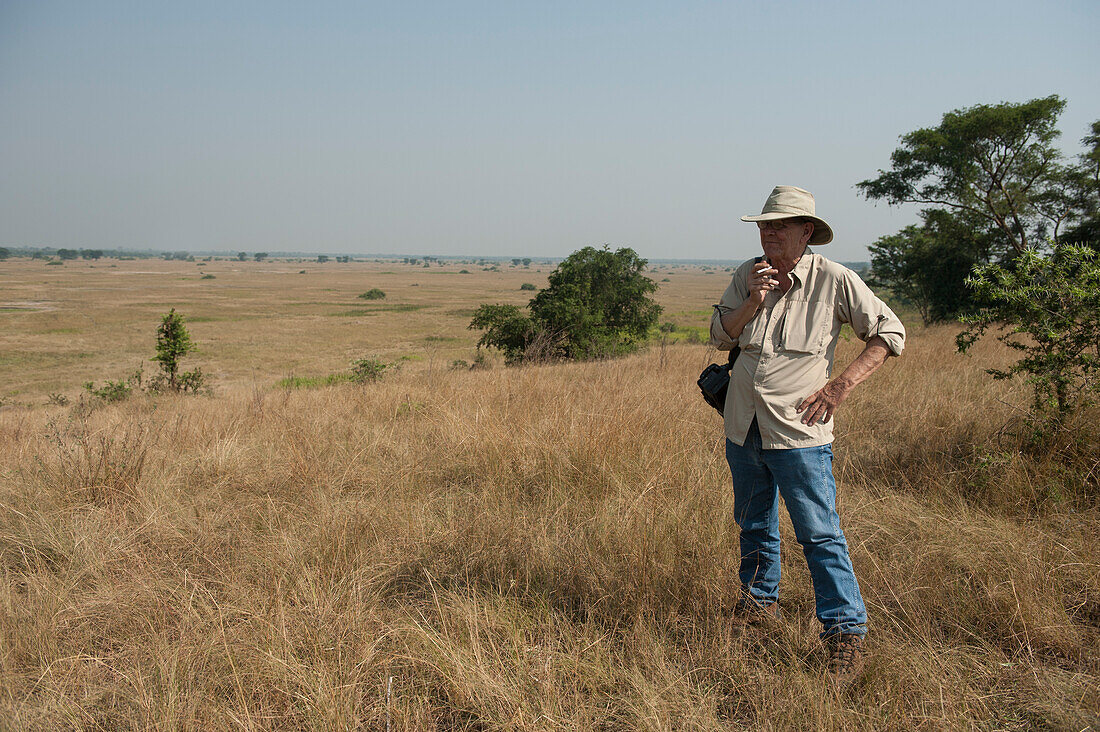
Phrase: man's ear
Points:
(807, 232)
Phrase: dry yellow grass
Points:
(536, 548)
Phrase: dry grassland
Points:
(539, 548)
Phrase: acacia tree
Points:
(997, 163)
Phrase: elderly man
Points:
(785, 311)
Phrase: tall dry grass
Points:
(539, 548)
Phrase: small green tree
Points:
(173, 343)
(1049, 310)
(373, 293)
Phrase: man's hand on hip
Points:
(820, 406)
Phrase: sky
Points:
(494, 128)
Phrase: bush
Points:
(114, 391)
(597, 304)
(1050, 308)
(207, 277)
(373, 294)
(368, 370)
(527, 286)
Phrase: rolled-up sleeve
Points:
(869, 316)
(732, 298)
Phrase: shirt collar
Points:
(802, 270)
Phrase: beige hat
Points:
(787, 202)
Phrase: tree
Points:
(67, 254)
(259, 256)
(927, 265)
(173, 343)
(91, 253)
(597, 304)
(1048, 308)
(996, 163)
(526, 261)
(322, 258)
(4, 252)
(242, 256)
(1086, 192)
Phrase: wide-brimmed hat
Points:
(788, 202)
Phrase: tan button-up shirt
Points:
(787, 349)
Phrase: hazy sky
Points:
(493, 128)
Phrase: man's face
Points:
(784, 239)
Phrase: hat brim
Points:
(823, 233)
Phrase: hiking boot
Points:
(749, 611)
(845, 657)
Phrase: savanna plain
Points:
(535, 548)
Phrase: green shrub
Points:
(1048, 309)
(527, 286)
(114, 391)
(368, 370)
(373, 294)
(207, 277)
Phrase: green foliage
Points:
(67, 254)
(373, 294)
(114, 391)
(997, 163)
(207, 277)
(55, 262)
(598, 302)
(927, 266)
(596, 305)
(527, 286)
(995, 187)
(259, 256)
(4, 253)
(368, 370)
(1048, 308)
(173, 343)
(507, 329)
(1086, 193)
(242, 256)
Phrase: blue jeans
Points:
(804, 477)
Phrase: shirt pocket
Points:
(804, 326)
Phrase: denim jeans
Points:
(804, 477)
